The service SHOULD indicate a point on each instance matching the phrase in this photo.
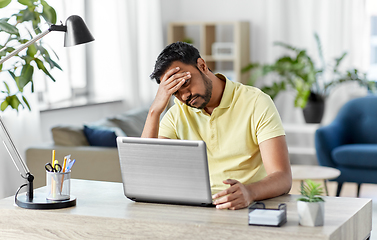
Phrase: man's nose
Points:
(185, 94)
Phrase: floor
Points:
(349, 190)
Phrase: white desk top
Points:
(103, 212)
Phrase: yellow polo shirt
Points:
(245, 117)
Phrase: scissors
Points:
(56, 168)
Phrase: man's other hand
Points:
(235, 197)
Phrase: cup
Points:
(58, 185)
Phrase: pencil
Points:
(53, 158)
(64, 163)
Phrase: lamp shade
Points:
(77, 32)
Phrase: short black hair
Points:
(178, 51)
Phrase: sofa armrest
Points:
(92, 163)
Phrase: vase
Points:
(314, 109)
(311, 214)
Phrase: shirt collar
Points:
(226, 99)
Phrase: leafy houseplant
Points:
(21, 68)
(310, 206)
(299, 72)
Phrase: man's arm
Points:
(278, 181)
(170, 83)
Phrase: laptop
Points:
(165, 171)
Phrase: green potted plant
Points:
(312, 84)
(21, 69)
(310, 207)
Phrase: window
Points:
(72, 81)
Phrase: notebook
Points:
(165, 171)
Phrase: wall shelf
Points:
(204, 34)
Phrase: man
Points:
(247, 152)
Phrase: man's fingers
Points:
(227, 198)
(234, 204)
(230, 181)
(177, 78)
(169, 73)
(226, 193)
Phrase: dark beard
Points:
(206, 97)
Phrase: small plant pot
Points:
(311, 214)
(315, 107)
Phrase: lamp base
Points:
(40, 202)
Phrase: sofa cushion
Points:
(100, 137)
(131, 122)
(106, 124)
(69, 136)
(356, 155)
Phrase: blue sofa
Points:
(349, 143)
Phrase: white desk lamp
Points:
(76, 32)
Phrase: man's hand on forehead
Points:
(173, 79)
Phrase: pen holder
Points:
(58, 185)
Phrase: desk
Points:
(103, 212)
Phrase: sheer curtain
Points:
(128, 40)
(342, 25)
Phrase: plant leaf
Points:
(338, 61)
(8, 28)
(12, 101)
(7, 87)
(25, 15)
(28, 3)
(4, 105)
(31, 50)
(42, 67)
(26, 76)
(48, 13)
(26, 102)
(4, 3)
(311, 191)
(6, 50)
(320, 52)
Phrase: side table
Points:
(303, 172)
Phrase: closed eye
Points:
(187, 82)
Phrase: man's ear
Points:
(201, 64)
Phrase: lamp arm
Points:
(23, 164)
(23, 46)
(28, 176)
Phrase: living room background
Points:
(130, 34)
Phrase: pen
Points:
(70, 164)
